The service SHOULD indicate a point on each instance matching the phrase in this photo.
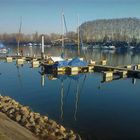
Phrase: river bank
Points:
(41, 126)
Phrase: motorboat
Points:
(3, 49)
(112, 47)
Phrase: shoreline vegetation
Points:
(126, 30)
(40, 126)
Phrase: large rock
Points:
(62, 128)
(11, 111)
(45, 119)
(36, 116)
(18, 117)
(40, 122)
(24, 110)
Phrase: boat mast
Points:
(19, 35)
(62, 23)
(78, 32)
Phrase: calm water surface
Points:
(98, 111)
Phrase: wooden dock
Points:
(109, 71)
(115, 70)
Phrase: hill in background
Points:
(123, 29)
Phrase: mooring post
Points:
(9, 59)
(107, 76)
(42, 47)
(134, 67)
(138, 66)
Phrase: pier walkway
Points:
(129, 71)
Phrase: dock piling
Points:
(135, 67)
(107, 76)
(138, 66)
(35, 64)
(9, 59)
(20, 61)
(103, 62)
(128, 67)
(122, 73)
(92, 62)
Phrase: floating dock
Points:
(108, 71)
(121, 71)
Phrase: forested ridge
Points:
(122, 29)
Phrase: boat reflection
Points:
(78, 79)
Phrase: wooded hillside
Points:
(123, 29)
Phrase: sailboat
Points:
(77, 62)
(60, 63)
(80, 44)
(61, 57)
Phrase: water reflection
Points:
(114, 78)
(113, 57)
(79, 81)
(62, 98)
(134, 81)
(84, 102)
(42, 80)
(64, 95)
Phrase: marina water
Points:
(96, 110)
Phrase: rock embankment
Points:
(41, 126)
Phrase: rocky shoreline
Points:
(43, 127)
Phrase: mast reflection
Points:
(62, 77)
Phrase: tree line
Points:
(122, 29)
(35, 37)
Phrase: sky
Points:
(44, 16)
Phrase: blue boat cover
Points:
(61, 64)
(76, 62)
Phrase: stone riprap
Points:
(40, 125)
